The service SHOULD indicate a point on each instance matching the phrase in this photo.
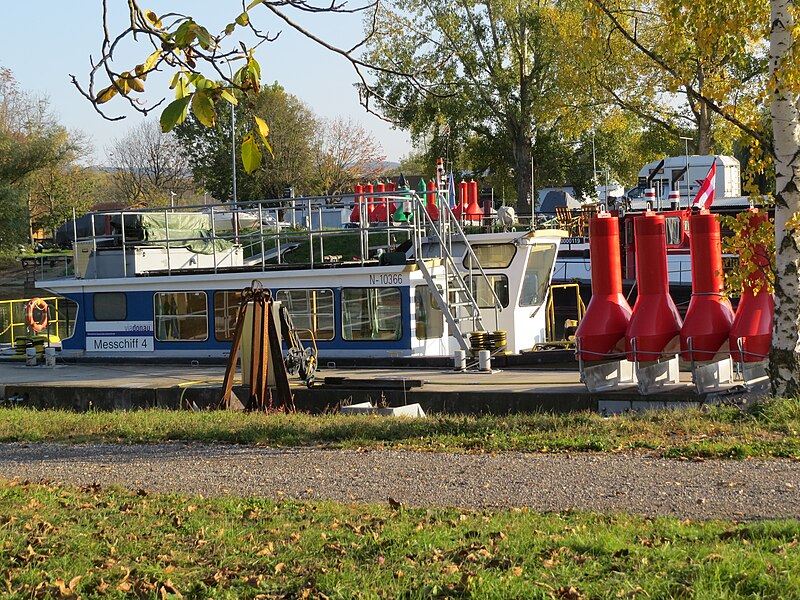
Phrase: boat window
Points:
(310, 309)
(537, 274)
(226, 307)
(181, 316)
(483, 294)
(674, 232)
(371, 314)
(428, 316)
(110, 306)
(491, 256)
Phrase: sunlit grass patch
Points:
(60, 541)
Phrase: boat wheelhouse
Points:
(167, 282)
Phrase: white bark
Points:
(784, 363)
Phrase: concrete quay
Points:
(120, 386)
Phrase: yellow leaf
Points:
(279, 567)
(106, 95)
(243, 19)
(254, 3)
(153, 18)
(262, 128)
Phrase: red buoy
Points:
(368, 189)
(355, 215)
(380, 212)
(430, 205)
(474, 212)
(460, 210)
(709, 316)
(655, 323)
(752, 325)
(601, 333)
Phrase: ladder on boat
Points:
(455, 298)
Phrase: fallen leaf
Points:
(279, 567)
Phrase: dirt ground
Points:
(12, 281)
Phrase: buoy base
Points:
(712, 376)
(653, 376)
(601, 377)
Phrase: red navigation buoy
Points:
(355, 215)
(379, 214)
(752, 325)
(655, 324)
(430, 205)
(601, 333)
(709, 316)
(474, 213)
(461, 207)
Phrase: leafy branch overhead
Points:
(201, 63)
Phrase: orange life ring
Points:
(36, 304)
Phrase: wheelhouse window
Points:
(491, 256)
(110, 306)
(482, 292)
(537, 274)
(310, 310)
(371, 314)
(226, 307)
(181, 316)
(428, 316)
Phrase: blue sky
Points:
(44, 42)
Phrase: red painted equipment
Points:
(355, 216)
(430, 205)
(379, 214)
(368, 189)
(601, 332)
(474, 213)
(753, 321)
(461, 207)
(709, 316)
(655, 322)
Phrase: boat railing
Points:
(13, 326)
(262, 235)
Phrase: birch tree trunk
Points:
(785, 353)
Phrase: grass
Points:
(60, 542)
(769, 429)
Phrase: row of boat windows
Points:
(365, 313)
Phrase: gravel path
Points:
(750, 489)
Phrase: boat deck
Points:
(88, 386)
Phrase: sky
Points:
(43, 53)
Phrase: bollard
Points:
(30, 356)
(50, 357)
(459, 360)
(484, 360)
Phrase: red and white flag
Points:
(705, 197)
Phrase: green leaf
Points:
(174, 113)
(251, 155)
(185, 34)
(230, 28)
(243, 19)
(203, 37)
(203, 108)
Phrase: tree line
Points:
(45, 173)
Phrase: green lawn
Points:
(769, 429)
(62, 542)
